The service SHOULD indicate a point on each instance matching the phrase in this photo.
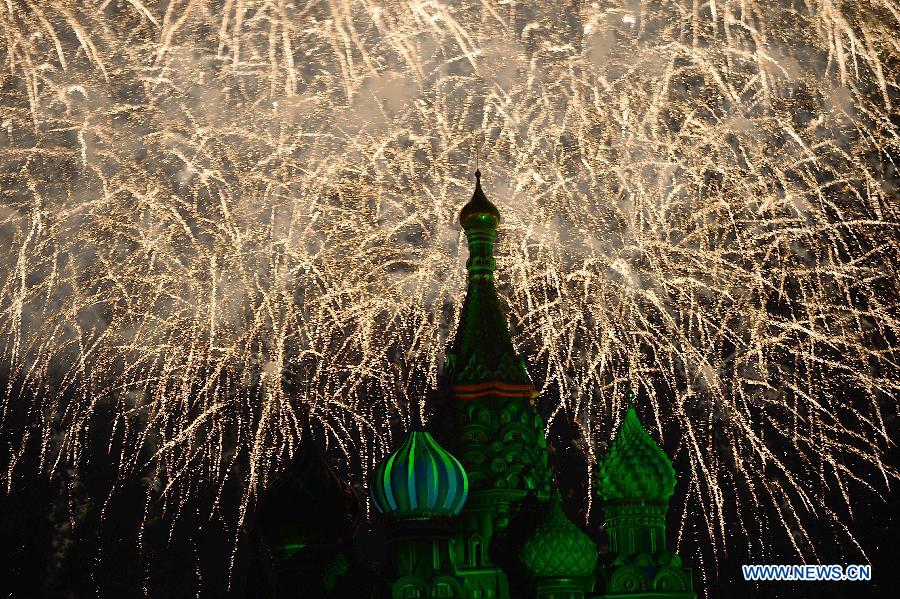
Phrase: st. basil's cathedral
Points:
(469, 509)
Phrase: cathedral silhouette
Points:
(469, 509)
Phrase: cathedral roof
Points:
(558, 548)
(309, 485)
(479, 211)
(419, 480)
(635, 467)
(481, 359)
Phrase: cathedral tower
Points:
(306, 555)
(488, 398)
(418, 489)
(634, 484)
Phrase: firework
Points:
(214, 213)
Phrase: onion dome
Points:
(635, 468)
(420, 480)
(479, 211)
(558, 548)
(309, 485)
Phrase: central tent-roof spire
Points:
(482, 359)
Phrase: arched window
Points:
(476, 550)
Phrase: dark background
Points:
(66, 536)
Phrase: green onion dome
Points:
(479, 212)
(558, 548)
(635, 468)
(419, 480)
(309, 485)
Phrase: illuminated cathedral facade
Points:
(469, 509)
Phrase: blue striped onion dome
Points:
(420, 480)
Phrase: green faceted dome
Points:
(558, 548)
(635, 467)
(479, 211)
(419, 480)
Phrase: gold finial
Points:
(477, 152)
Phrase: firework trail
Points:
(214, 212)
